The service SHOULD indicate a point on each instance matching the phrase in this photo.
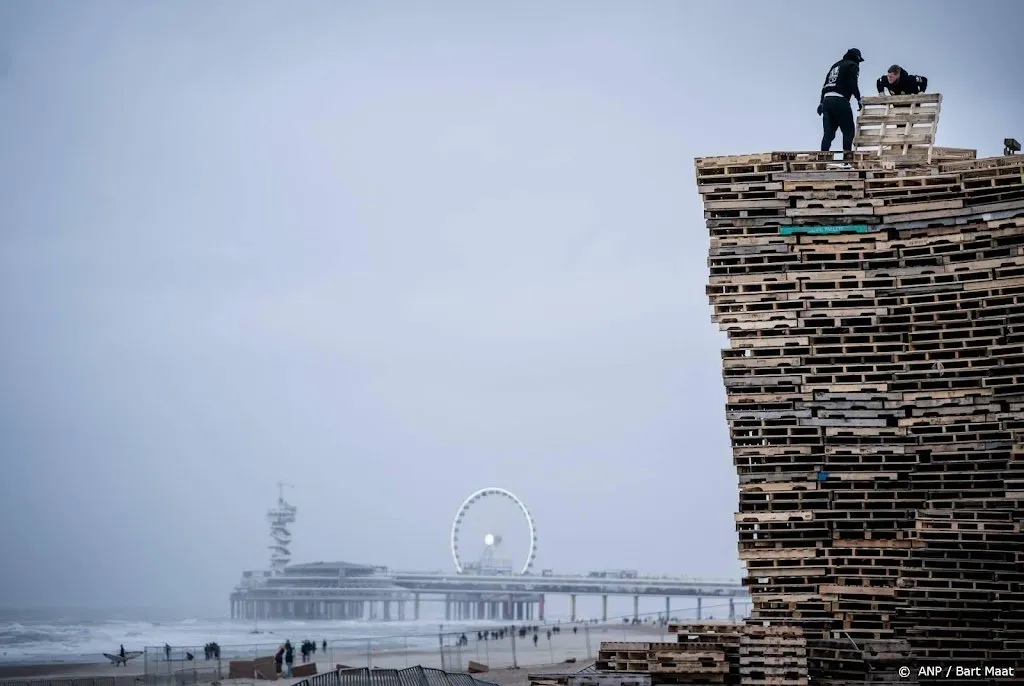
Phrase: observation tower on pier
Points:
(280, 517)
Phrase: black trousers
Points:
(836, 114)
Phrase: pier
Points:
(486, 589)
(340, 590)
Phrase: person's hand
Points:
(860, 106)
(819, 110)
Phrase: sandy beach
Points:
(499, 655)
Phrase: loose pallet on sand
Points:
(875, 392)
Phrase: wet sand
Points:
(500, 654)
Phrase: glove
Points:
(819, 110)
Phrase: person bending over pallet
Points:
(899, 82)
(841, 84)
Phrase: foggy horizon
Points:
(391, 255)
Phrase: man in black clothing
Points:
(841, 84)
(899, 82)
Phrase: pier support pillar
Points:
(668, 607)
(540, 608)
(572, 607)
(447, 608)
(732, 609)
(604, 608)
(700, 613)
(636, 608)
(416, 606)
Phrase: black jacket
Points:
(907, 84)
(842, 78)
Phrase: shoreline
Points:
(498, 654)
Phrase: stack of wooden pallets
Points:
(666, 663)
(722, 637)
(866, 662)
(773, 656)
(714, 653)
(875, 383)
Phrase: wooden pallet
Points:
(899, 125)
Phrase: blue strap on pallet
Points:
(825, 230)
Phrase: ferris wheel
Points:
(492, 540)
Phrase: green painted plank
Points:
(824, 230)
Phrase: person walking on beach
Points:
(124, 660)
(325, 646)
(167, 651)
(289, 659)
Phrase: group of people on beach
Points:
(284, 659)
(522, 632)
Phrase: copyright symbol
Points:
(904, 672)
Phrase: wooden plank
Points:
(929, 206)
(606, 679)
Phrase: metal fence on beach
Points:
(497, 647)
(445, 650)
(511, 646)
(72, 681)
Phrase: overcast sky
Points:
(392, 253)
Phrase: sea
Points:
(33, 637)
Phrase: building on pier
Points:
(320, 590)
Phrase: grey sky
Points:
(392, 253)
